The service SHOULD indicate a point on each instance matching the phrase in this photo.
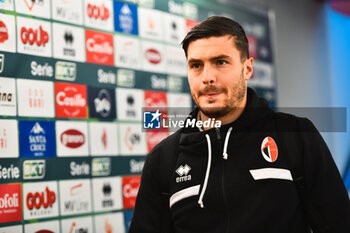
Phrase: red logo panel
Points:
(10, 203)
(99, 47)
(155, 137)
(70, 100)
(252, 46)
(131, 186)
(4, 35)
(190, 24)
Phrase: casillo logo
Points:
(33, 169)
(153, 56)
(43, 199)
(98, 12)
(38, 36)
(99, 47)
(131, 186)
(183, 171)
(10, 203)
(70, 100)
(3, 32)
(72, 138)
(269, 149)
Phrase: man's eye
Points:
(221, 62)
(195, 66)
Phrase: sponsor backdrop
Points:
(74, 77)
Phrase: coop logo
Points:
(33, 169)
(71, 100)
(101, 166)
(153, 56)
(4, 35)
(72, 138)
(40, 200)
(151, 120)
(99, 47)
(38, 36)
(130, 189)
(269, 149)
(10, 203)
(66, 71)
(97, 12)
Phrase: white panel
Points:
(71, 138)
(103, 138)
(35, 98)
(75, 197)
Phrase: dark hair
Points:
(219, 26)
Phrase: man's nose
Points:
(208, 75)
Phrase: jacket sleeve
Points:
(323, 183)
(148, 207)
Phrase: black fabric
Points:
(235, 201)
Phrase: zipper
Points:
(218, 136)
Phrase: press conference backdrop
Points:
(74, 78)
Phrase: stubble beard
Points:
(231, 105)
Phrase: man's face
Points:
(217, 76)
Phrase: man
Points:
(239, 177)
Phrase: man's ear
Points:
(248, 68)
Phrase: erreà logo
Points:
(183, 171)
(72, 138)
(269, 149)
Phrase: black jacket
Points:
(247, 189)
